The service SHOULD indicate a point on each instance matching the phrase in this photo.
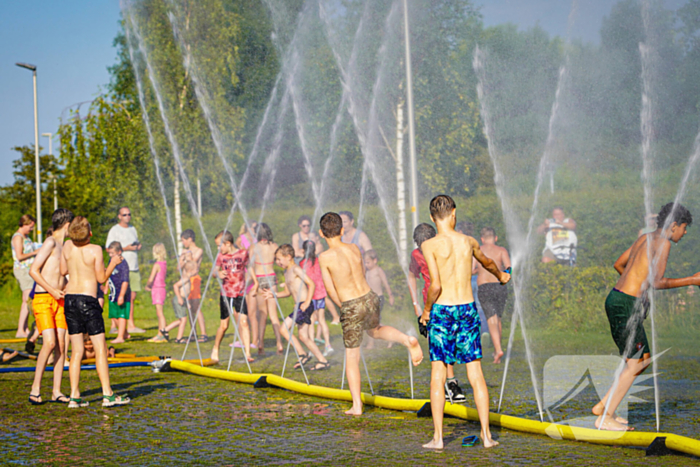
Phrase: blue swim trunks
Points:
(454, 334)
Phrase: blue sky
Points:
(70, 41)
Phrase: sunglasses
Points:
(125, 215)
(305, 225)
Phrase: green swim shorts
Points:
(621, 312)
(119, 311)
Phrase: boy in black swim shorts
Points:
(625, 305)
(301, 288)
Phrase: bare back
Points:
(499, 255)
(635, 262)
(343, 273)
(48, 264)
(449, 257)
(262, 254)
(84, 266)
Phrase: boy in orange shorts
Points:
(48, 307)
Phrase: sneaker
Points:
(319, 341)
(329, 351)
(456, 392)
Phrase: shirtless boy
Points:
(492, 293)
(83, 262)
(625, 305)
(451, 316)
(191, 252)
(301, 288)
(344, 278)
(48, 306)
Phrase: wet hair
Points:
(309, 247)
(79, 231)
(441, 206)
(371, 254)
(188, 234)
(286, 250)
(680, 214)
(49, 232)
(26, 220)
(219, 235)
(159, 251)
(116, 246)
(423, 232)
(265, 233)
(466, 227)
(331, 224)
(304, 218)
(60, 218)
(226, 237)
(488, 232)
(348, 214)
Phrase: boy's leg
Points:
(272, 313)
(633, 368)
(308, 341)
(194, 308)
(49, 336)
(121, 333)
(437, 402)
(352, 372)
(390, 334)
(59, 359)
(284, 332)
(324, 327)
(494, 323)
(100, 345)
(181, 328)
(76, 360)
(220, 332)
(481, 400)
(334, 313)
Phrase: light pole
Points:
(36, 152)
(411, 120)
(52, 176)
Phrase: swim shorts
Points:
(135, 281)
(623, 318)
(267, 282)
(119, 311)
(358, 315)
(48, 312)
(303, 316)
(493, 298)
(180, 310)
(319, 303)
(195, 288)
(83, 315)
(381, 302)
(236, 304)
(454, 334)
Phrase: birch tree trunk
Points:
(178, 215)
(400, 183)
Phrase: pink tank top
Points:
(314, 273)
(159, 280)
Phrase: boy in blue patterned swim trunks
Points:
(451, 316)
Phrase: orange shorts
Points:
(48, 312)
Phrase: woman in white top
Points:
(23, 253)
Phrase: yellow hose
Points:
(554, 430)
(13, 341)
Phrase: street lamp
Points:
(32, 68)
(52, 176)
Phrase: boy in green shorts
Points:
(119, 304)
(626, 304)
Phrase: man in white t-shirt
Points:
(125, 234)
(560, 237)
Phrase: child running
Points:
(156, 285)
(119, 291)
(419, 268)
(451, 316)
(309, 264)
(626, 304)
(344, 278)
(231, 265)
(492, 293)
(83, 262)
(48, 307)
(301, 288)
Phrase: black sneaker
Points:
(457, 394)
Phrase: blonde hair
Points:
(159, 252)
(79, 231)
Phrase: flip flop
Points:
(35, 402)
(61, 400)
(470, 441)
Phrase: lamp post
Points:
(52, 176)
(411, 120)
(32, 68)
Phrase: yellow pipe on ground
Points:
(554, 430)
(13, 341)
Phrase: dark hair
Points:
(488, 232)
(115, 246)
(60, 218)
(26, 220)
(680, 215)
(119, 211)
(347, 213)
(371, 254)
(309, 248)
(423, 232)
(558, 208)
(79, 231)
(226, 237)
(466, 227)
(189, 234)
(286, 250)
(303, 218)
(331, 224)
(441, 206)
(265, 233)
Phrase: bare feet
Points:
(357, 411)
(280, 350)
(117, 341)
(487, 441)
(610, 424)
(251, 359)
(261, 351)
(214, 356)
(598, 410)
(416, 351)
(497, 357)
(434, 444)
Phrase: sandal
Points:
(60, 399)
(303, 360)
(182, 340)
(321, 366)
(77, 403)
(111, 401)
(158, 339)
(203, 338)
(36, 399)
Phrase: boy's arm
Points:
(488, 263)
(412, 288)
(122, 293)
(311, 287)
(661, 282)
(64, 263)
(385, 284)
(177, 286)
(100, 273)
(328, 282)
(435, 287)
(35, 270)
(622, 261)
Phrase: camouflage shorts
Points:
(358, 315)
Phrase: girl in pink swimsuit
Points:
(156, 284)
